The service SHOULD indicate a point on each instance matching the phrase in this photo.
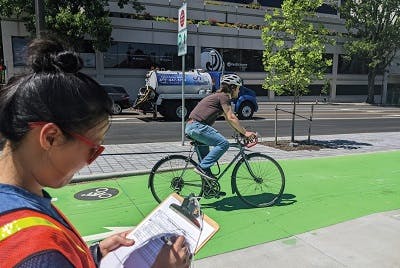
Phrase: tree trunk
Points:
(371, 86)
(293, 114)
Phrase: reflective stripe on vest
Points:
(11, 228)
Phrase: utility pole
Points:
(39, 18)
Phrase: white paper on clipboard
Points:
(162, 221)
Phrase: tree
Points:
(294, 49)
(69, 20)
(375, 30)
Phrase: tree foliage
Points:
(375, 30)
(294, 49)
(69, 20)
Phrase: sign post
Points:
(39, 17)
(182, 50)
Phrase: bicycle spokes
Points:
(258, 180)
(174, 174)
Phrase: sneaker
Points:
(204, 173)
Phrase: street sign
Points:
(182, 14)
(182, 31)
(182, 42)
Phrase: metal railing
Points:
(309, 119)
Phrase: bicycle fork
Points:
(256, 179)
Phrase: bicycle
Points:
(257, 179)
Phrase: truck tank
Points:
(170, 82)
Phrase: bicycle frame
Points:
(241, 153)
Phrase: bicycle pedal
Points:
(220, 194)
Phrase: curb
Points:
(102, 176)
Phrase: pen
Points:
(167, 240)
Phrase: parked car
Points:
(119, 97)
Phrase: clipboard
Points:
(205, 222)
(168, 219)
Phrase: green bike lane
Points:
(319, 192)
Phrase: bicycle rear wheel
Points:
(258, 180)
(174, 174)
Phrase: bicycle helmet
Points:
(231, 79)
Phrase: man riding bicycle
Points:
(199, 125)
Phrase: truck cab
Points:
(246, 103)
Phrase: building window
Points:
(315, 90)
(352, 66)
(258, 89)
(146, 56)
(356, 90)
(324, 8)
(237, 1)
(253, 59)
(20, 50)
(235, 60)
(327, 9)
(393, 94)
(271, 3)
(328, 56)
(87, 53)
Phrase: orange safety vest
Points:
(25, 232)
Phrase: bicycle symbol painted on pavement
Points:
(99, 193)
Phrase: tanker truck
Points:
(162, 93)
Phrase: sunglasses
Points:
(96, 148)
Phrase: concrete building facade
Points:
(232, 28)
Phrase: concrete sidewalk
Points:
(130, 159)
(370, 241)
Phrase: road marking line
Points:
(113, 230)
(120, 118)
(279, 119)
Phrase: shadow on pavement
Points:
(340, 144)
(235, 203)
(286, 200)
(151, 119)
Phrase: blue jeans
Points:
(210, 137)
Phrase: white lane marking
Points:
(318, 119)
(279, 119)
(121, 118)
(113, 230)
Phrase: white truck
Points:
(163, 93)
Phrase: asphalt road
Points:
(132, 127)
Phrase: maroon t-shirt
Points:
(210, 108)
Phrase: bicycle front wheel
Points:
(174, 174)
(258, 180)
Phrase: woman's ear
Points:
(49, 135)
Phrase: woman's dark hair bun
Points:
(49, 56)
(68, 62)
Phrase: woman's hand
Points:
(115, 241)
(176, 255)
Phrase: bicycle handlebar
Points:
(246, 141)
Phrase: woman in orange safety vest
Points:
(53, 121)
